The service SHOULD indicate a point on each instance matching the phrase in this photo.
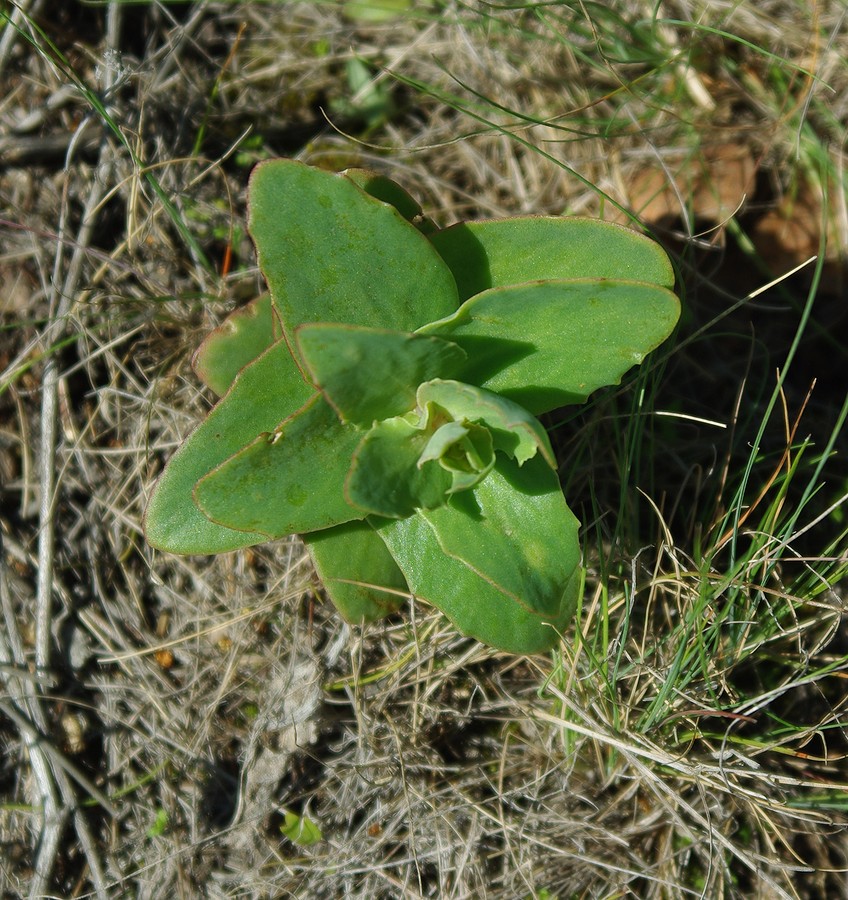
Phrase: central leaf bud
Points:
(445, 445)
(462, 448)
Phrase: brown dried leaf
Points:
(712, 185)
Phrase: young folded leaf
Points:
(514, 431)
(385, 478)
(462, 449)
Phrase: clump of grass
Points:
(161, 716)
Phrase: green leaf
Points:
(160, 824)
(332, 253)
(385, 476)
(390, 192)
(263, 394)
(357, 571)
(484, 255)
(514, 530)
(514, 431)
(300, 830)
(404, 463)
(474, 606)
(369, 99)
(550, 344)
(368, 374)
(287, 481)
(454, 472)
(502, 562)
(465, 450)
(242, 337)
(373, 11)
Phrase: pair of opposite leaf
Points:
(381, 401)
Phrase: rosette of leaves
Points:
(382, 400)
